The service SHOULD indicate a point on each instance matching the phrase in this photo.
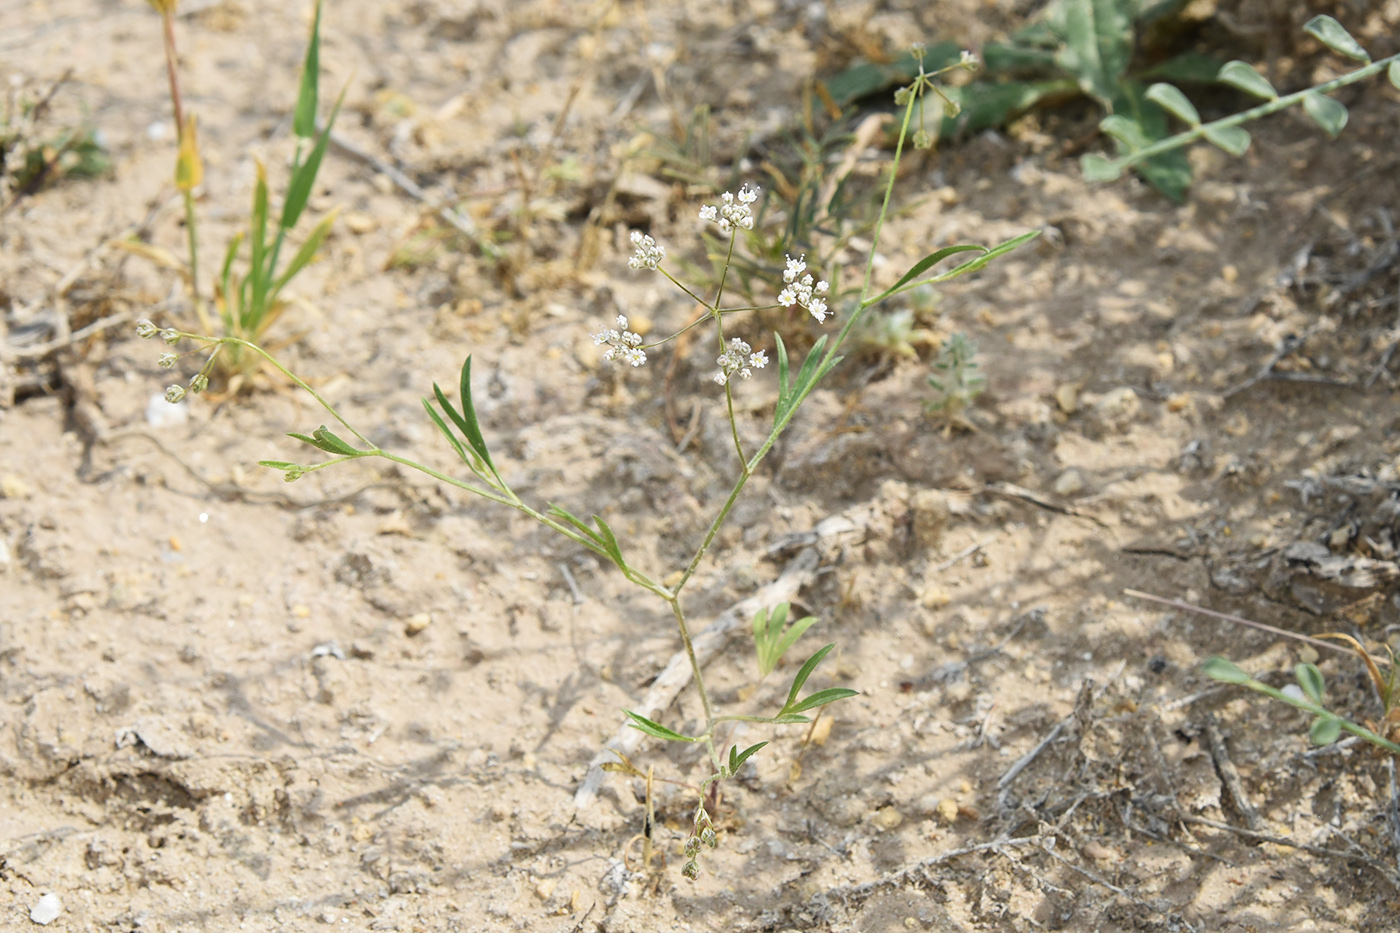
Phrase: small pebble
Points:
(948, 810)
(1068, 483)
(887, 818)
(47, 909)
(545, 888)
(416, 623)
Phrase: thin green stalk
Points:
(1309, 707)
(192, 235)
(694, 667)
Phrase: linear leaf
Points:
(305, 254)
(974, 265)
(299, 189)
(1232, 139)
(1334, 35)
(823, 697)
(257, 242)
(332, 444)
(736, 761)
(802, 675)
(1174, 102)
(277, 464)
(798, 629)
(470, 428)
(1329, 114)
(446, 432)
(313, 441)
(782, 368)
(1245, 78)
(656, 729)
(304, 119)
(932, 259)
(610, 542)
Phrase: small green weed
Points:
(803, 292)
(34, 154)
(956, 379)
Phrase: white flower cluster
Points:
(733, 211)
(622, 343)
(648, 255)
(803, 291)
(739, 358)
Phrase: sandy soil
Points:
(365, 701)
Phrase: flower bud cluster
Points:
(733, 211)
(622, 344)
(648, 255)
(803, 291)
(739, 358)
(702, 834)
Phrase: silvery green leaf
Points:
(1175, 102)
(1325, 730)
(1394, 73)
(1334, 35)
(1097, 168)
(1232, 139)
(1242, 76)
(1328, 113)
(1126, 131)
(1310, 679)
(1217, 668)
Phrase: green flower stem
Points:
(1316, 710)
(698, 300)
(1254, 113)
(675, 602)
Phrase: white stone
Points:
(46, 911)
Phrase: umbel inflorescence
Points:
(737, 357)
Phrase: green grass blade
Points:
(252, 309)
(304, 255)
(304, 119)
(299, 190)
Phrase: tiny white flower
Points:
(803, 291)
(709, 213)
(721, 378)
(733, 211)
(648, 255)
(623, 344)
(758, 359)
(622, 321)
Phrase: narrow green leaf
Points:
(277, 464)
(1310, 679)
(313, 441)
(1334, 35)
(790, 637)
(558, 511)
(1329, 114)
(447, 433)
(470, 428)
(1242, 76)
(257, 262)
(823, 697)
(656, 729)
(449, 410)
(804, 377)
(1325, 730)
(304, 255)
(1217, 668)
(229, 256)
(332, 444)
(927, 262)
(783, 386)
(974, 265)
(1096, 168)
(299, 189)
(610, 542)
(787, 719)
(1175, 102)
(802, 675)
(1232, 139)
(304, 119)
(1393, 72)
(736, 761)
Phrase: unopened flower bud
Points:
(175, 394)
(923, 140)
(168, 360)
(146, 330)
(170, 337)
(199, 383)
(691, 870)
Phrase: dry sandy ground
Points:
(365, 702)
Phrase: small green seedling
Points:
(957, 378)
